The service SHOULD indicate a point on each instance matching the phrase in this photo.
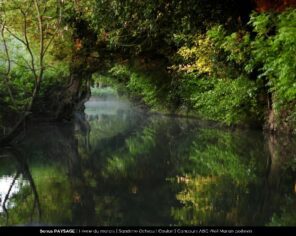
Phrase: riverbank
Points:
(148, 89)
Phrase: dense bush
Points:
(275, 49)
(214, 85)
(237, 77)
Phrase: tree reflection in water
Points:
(21, 182)
(123, 167)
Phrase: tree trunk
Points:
(82, 66)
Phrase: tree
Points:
(19, 20)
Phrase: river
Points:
(116, 165)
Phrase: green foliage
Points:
(227, 76)
(275, 48)
(210, 62)
(270, 55)
(121, 72)
(151, 26)
(142, 85)
(32, 51)
(230, 101)
(213, 82)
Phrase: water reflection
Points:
(116, 165)
(18, 189)
(10, 186)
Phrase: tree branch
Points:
(28, 44)
(41, 40)
(8, 63)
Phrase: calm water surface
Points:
(116, 165)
